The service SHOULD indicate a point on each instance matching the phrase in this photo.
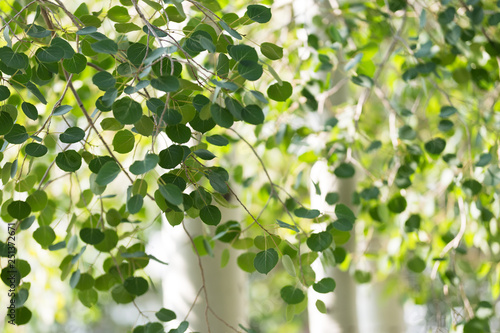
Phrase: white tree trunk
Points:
(341, 304)
(226, 287)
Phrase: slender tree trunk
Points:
(226, 288)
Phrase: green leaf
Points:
(416, 264)
(343, 224)
(362, 276)
(134, 204)
(36, 92)
(35, 149)
(210, 215)
(88, 297)
(65, 46)
(136, 285)
(37, 200)
(362, 80)
(121, 296)
(23, 315)
(91, 235)
(320, 305)
(19, 209)
(123, 141)
(266, 260)
(109, 242)
(250, 70)
(118, 14)
(253, 114)
(231, 31)
(106, 46)
(435, 146)
(221, 116)
(271, 51)
(6, 123)
(287, 226)
(204, 154)
(171, 193)
(259, 13)
(325, 285)
(279, 92)
(141, 167)
(170, 157)
(292, 295)
(447, 111)
(127, 111)
(484, 160)
(50, 54)
(44, 236)
(344, 212)
(165, 315)
(344, 170)
(72, 135)
(107, 173)
(62, 110)
(407, 133)
(29, 110)
(75, 64)
(306, 213)
(69, 160)
(37, 31)
(472, 186)
(123, 28)
(332, 198)
(13, 59)
(178, 133)
(104, 80)
(167, 83)
(4, 93)
(397, 204)
(245, 261)
(217, 140)
(243, 52)
(320, 241)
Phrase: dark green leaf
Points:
(165, 315)
(75, 64)
(171, 193)
(136, 285)
(123, 141)
(178, 133)
(50, 54)
(69, 160)
(171, 157)
(435, 146)
(447, 111)
(4, 93)
(204, 154)
(265, 261)
(107, 173)
(252, 114)
(325, 285)
(320, 241)
(91, 235)
(397, 204)
(259, 13)
(104, 80)
(344, 170)
(13, 59)
(292, 295)
(217, 140)
(35, 149)
(36, 92)
(6, 123)
(19, 209)
(127, 111)
(141, 167)
(29, 110)
(166, 83)
(106, 46)
(210, 215)
(280, 92)
(306, 213)
(72, 135)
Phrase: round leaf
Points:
(265, 261)
(279, 92)
(136, 285)
(292, 295)
(210, 215)
(72, 135)
(69, 160)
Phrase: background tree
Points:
(90, 92)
